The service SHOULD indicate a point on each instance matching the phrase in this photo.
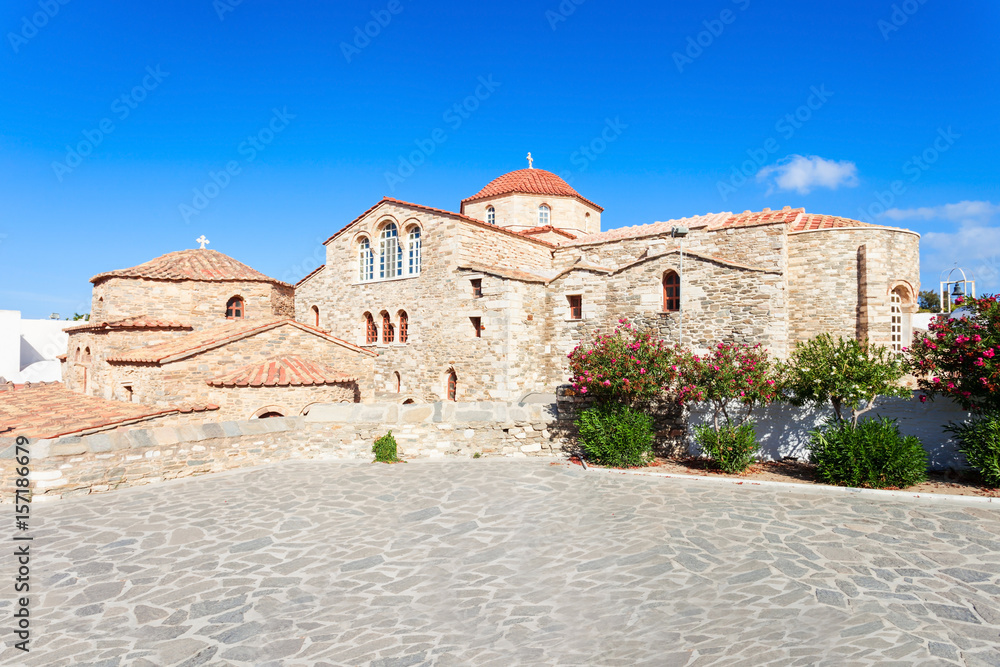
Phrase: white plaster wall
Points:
(783, 430)
(28, 348)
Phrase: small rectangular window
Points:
(477, 288)
(477, 326)
(575, 307)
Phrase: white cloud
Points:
(964, 211)
(802, 174)
(967, 239)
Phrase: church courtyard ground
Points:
(500, 562)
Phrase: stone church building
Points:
(418, 304)
(485, 303)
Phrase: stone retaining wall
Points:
(132, 457)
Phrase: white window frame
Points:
(390, 259)
(413, 249)
(366, 260)
(544, 215)
(491, 215)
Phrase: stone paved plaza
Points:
(500, 562)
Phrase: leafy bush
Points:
(960, 357)
(731, 448)
(627, 365)
(732, 373)
(871, 454)
(616, 435)
(979, 440)
(843, 372)
(385, 449)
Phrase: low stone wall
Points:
(131, 457)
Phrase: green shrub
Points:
(979, 440)
(872, 454)
(385, 449)
(616, 435)
(731, 448)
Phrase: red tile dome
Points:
(198, 264)
(529, 182)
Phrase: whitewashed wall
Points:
(783, 430)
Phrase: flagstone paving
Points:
(498, 562)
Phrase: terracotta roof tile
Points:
(529, 182)
(813, 221)
(281, 372)
(652, 229)
(206, 339)
(198, 264)
(51, 410)
(135, 322)
(546, 229)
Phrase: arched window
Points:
(234, 308)
(366, 261)
(76, 357)
(388, 331)
(491, 215)
(896, 307)
(371, 331)
(86, 356)
(390, 260)
(315, 316)
(543, 215)
(404, 326)
(671, 292)
(452, 385)
(399, 381)
(413, 247)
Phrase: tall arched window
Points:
(399, 382)
(315, 316)
(371, 331)
(76, 357)
(86, 356)
(671, 292)
(413, 248)
(388, 331)
(491, 215)
(896, 307)
(404, 326)
(543, 215)
(390, 262)
(366, 261)
(234, 308)
(452, 386)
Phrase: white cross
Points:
(202, 240)
(530, 161)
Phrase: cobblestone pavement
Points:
(494, 562)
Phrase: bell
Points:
(958, 291)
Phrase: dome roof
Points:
(529, 182)
(198, 264)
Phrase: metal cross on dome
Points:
(202, 240)
(530, 161)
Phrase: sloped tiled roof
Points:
(198, 264)
(281, 372)
(529, 182)
(796, 219)
(223, 334)
(135, 322)
(547, 229)
(51, 410)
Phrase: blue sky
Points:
(687, 95)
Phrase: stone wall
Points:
(198, 303)
(132, 457)
(520, 212)
(185, 380)
(827, 291)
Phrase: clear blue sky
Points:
(681, 125)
